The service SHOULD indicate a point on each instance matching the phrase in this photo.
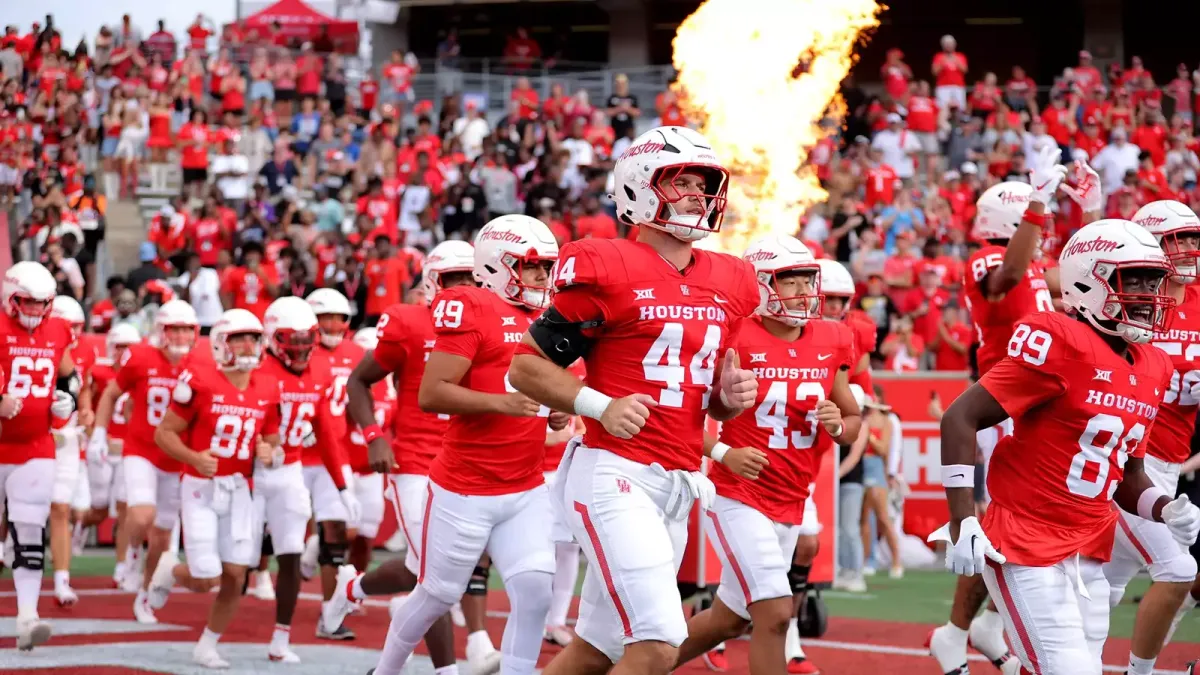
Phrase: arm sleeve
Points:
(456, 318)
(392, 351)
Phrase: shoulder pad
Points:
(457, 310)
(585, 262)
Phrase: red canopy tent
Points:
(297, 23)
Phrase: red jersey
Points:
(662, 333)
(554, 453)
(994, 318)
(792, 378)
(1079, 412)
(249, 289)
(149, 378)
(339, 362)
(487, 454)
(405, 339)
(225, 420)
(1172, 437)
(866, 337)
(31, 359)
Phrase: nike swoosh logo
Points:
(958, 475)
(973, 538)
(720, 301)
(822, 357)
(1043, 186)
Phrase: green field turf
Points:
(920, 597)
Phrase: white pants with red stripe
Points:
(756, 554)
(514, 529)
(1054, 629)
(1144, 544)
(614, 509)
(408, 492)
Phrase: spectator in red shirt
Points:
(950, 71)
(526, 99)
(198, 34)
(923, 123)
(521, 51)
(594, 222)
(1151, 136)
(1021, 91)
(896, 75)
(985, 96)
(1060, 120)
(1086, 75)
(925, 302)
(880, 181)
(952, 345)
(902, 348)
(899, 269)
(251, 285)
(1152, 184)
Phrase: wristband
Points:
(958, 476)
(371, 432)
(836, 432)
(1147, 500)
(1038, 219)
(591, 403)
(718, 452)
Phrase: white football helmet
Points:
(367, 338)
(1000, 209)
(67, 308)
(236, 322)
(837, 282)
(1167, 220)
(122, 335)
(773, 256)
(290, 331)
(329, 303)
(27, 292)
(646, 189)
(175, 313)
(1090, 267)
(450, 256)
(503, 247)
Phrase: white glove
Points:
(353, 508)
(1182, 518)
(63, 405)
(966, 556)
(703, 490)
(97, 447)
(1087, 194)
(1046, 173)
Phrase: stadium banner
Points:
(909, 395)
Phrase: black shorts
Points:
(195, 175)
(285, 94)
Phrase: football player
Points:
(149, 372)
(566, 553)
(405, 339)
(106, 481)
(486, 491)
(231, 415)
(1142, 543)
(803, 367)
(1003, 283)
(282, 500)
(332, 507)
(36, 356)
(68, 479)
(1083, 391)
(368, 484)
(652, 319)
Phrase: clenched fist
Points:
(739, 387)
(746, 462)
(829, 415)
(625, 417)
(559, 420)
(205, 464)
(517, 404)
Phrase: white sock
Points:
(119, 570)
(447, 670)
(281, 635)
(356, 589)
(480, 639)
(62, 578)
(209, 638)
(29, 586)
(566, 573)
(264, 576)
(1138, 666)
(791, 643)
(957, 634)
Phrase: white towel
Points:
(560, 532)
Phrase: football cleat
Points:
(802, 666)
(31, 632)
(559, 635)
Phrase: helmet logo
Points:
(1010, 198)
(644, 148)
(759, 256)
(1151, 221)
(501, 235)
(1090, 246)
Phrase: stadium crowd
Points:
(323, 181)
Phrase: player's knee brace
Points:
(1177, 570)
(330, 553)
(478, 585)
(798, 578)
(29, 546)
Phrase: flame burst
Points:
(757, 77)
